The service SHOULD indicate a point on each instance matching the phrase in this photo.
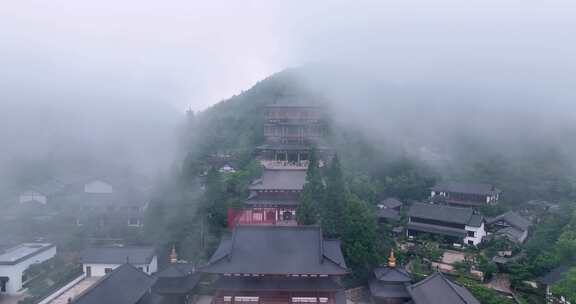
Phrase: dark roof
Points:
(388, 291)
(294, 100)
(176, 270)
(176, 285)
(17, 254)
(449, 231)
(513, 219)
(511, 233)
(447, 214)
(554, 275)
(468, 188)
(280, 180)
(118, 255)
(387, 213)
(277, 250)
(277, 284)
(124, 285)
(291, 147)
(475, 220)
(392, 274)
(437, 289)
(391, 202)
(271, 202)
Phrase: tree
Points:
(312, 194)
(215, 200)
(359, 237)
(565, 287)
(334, 201)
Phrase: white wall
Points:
(14, 272)
(98, 186)
(479, 234)
(33, 196)
(97, 270)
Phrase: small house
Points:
(99, 261)
(466, 194)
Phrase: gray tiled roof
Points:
(467, 188)
(511, 233)
(118, 255)
(437, 289)
(513, 219)
(277, 250)
(387, 213)
(292, 147)
(436, 229)
(391, 202)
(392, 274)
(388, 291)
(280, 180)
(176, 285)
(475, 220)
(176, 270)
(124, 285)
(443, 213)
(271, 202)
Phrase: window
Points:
(304, 300)
(470, 242)
(107, 270)
(227, 299)
(323, 300)
(133, 222)
(471, 233)
(246, 299)
(141, 269)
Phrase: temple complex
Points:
(291, 129)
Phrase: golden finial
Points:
(173, 255)
(392, 259)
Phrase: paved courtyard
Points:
(450, 257)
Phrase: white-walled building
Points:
(466, 194)
(99, 261)
(14, 261)
(456, 225)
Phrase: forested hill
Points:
(388, 138)
(192, 215)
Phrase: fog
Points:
(112, 80)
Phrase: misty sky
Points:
(131, 53)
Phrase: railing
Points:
(62, 290)
(279, 164)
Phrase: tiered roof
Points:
(277, 250)
(467, 188)
(283, 180)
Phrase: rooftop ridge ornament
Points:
(392, 259)
(173, 255)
